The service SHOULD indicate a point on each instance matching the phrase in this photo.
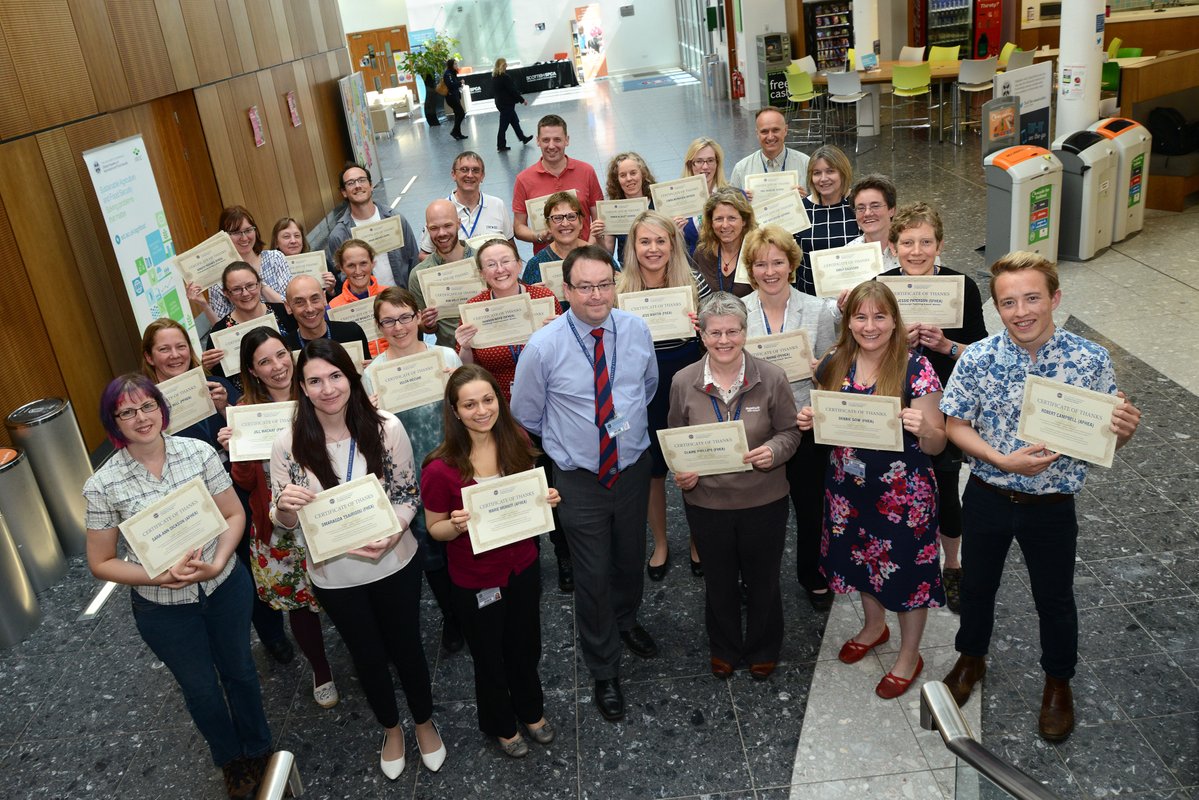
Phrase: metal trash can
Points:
(1133, 143)
(29, 522)
(47, 430)
(20, 613)
(1024, 197)
(1088, 193)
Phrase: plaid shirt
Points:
(832, 226)
(275, 273)
(122, 487)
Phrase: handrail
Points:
(281, 776)
(940, 712)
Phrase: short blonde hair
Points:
(759, 239)
(1020, 260)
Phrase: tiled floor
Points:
(88, 713)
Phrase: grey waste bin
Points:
(1089, 164)
(47, 431)
(19, 609)
(28, 521)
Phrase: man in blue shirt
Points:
(582, 384)
(1023, 491)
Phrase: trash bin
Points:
(1088, 193)
(1133, 143)
(20, 613)
(29, 522)
(1024, 196)
(47, 431)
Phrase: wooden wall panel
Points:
(104, 69)
(179, 46)
(302, 79)
(303, 33)
(142, 47)
(281, 17)
(207, 40)
(266, 36)
(260, 170)
(334, 33)
(245, 36)
(229, 35)
(14, 116)
(277, 142)
(41, 39)
(335, 144)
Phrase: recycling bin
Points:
(28, 521)
(1133, 144)
(1024, 197)
(1088, 193)
(20, 613)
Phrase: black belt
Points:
(1024, 498)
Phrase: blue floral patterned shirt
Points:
(987, 387)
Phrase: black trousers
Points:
(735, 545)
(805, 473)
(455, 105)
(508, 118)
(505, 645)
(947, 465)
(380, 624)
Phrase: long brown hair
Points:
(894, 368)
(615, 190)
(148, 336)
(253, 390)
(514, 452)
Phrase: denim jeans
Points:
(206, 646)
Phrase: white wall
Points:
(367, 15)
(757, 16)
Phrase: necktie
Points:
(604, 411)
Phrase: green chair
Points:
(800, 91)
(909, 83)
(1007, 50)
(1129, 52)
(851, 60)
(944, 53)
(1110, 79)
(1113, 46)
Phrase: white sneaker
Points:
(325, 695)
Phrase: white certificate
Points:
(866, 421)
(507, 510)
(255, 428)
(361, 312)
(664, 310)
(184, 520)
(618, 215)
(682, 197)
(765, 185)
(535, 208)
(408, 382)
(229, 340)
(551, 276)
(790, 350)
(311, 264)
(932, 299)
(841, 268)
(543, 311)
(1069, 420)
(464, 269)
(353, 350)
(716, 448)
(347, 516)
(785, 210)
(505, 321)
(450, 294)
(187, 398)
(383, 235)
(475, 242)
(205, 262)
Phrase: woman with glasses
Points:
(704, 157)
(269, 264)
(290, 239)
(628, 178)
(727, 218)
(240, 282)
(356, 260)
(195, 616)
(833, 224)
(564, 216)
(873, 198)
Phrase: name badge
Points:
(855, 467)
(487, 597)
(617, 426)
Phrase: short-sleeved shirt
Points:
(122, 487)
(987, 389)
(491, 215)
(446, 323)
(534, 181)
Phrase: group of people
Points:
(585, 398)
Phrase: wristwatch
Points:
(953, 350)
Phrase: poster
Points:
(1039, 204)
(1072, 83)
(1136, 178)
(1033, 86)
(137, 229)
(589, 39)
(358, 122)
(256, 126)
(293, 109)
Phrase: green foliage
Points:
(429, 59)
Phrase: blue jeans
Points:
(201, 642)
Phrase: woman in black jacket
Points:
(453, 97)
(506, 98)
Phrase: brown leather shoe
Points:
(968, 671)
(1057, 710)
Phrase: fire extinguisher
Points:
(738, 84)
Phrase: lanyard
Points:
(766, 321)
(716, 408)
(328, 333)
(765, 168)
(350, 460)
(587, 353)
(474, 224)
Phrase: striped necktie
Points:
(604, 411)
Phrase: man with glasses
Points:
(478, 214)
(391, 268)
(773, 155)
(442, 226)
(554, 172)
(305, 301)
(583, 383)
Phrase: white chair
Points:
(844, 94)
(975, 76)
(1020, 58)
(807, 64)
(911, 53)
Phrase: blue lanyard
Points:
(716, 408)
(587, 353)
(350, 460)
(328, 333)
(781, 169)
(474, 224)
(766, 320)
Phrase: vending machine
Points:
(947, 23)
(829, 32)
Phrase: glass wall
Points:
(694, 40)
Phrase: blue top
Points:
(553, 395)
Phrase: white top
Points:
(756, 163)
(382, 272)
(492, 215)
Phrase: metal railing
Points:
(281, 778)
(939, 711)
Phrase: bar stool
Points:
(799, 91)
(1020, 59)
(976, 76)
(1008, 49)
(907, 53)
(844, 89)
(909, 83)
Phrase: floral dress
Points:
(881, 530)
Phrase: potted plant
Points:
(428, 61)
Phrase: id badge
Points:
(855, 467)
(487, 596)
(617, 426)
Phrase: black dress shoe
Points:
(451, 637)
(526, 140)
(503, 149)
(659, 572)
(609, 699)
(280, 650)
(821, 601)
(566, 575)
(640, 642)
(697, 569)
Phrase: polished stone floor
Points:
(88, 713)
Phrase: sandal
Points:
(892, 686)
(852, 652)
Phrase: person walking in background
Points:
(453, 97)
(507, 96)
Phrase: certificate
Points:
(508, 320)
(361, 312)
(551, 276)
(205, 262)
(475, 242)
(682, 197)
(1069, 419)
(450, 294)
(353, 350)
(408, 382)
(618, 215)
(185, 519)
(712, 449)
(664, 310)
(932, 299)
(508, 509)
(543, 311)
(535, 208)
(765, 185)
(255, 428)
(347, 516)
(229, 340)
(383, 235)
(785, 210)
(790, 350)
(843, 268)
(464, 269)
(311, 264)
(187, 398)
(865, 421)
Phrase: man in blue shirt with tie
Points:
(583, 383)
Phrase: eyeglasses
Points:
(147, 408)
(734, 333)
(873, 207)
(593, 288)
(352, 182)
(249, 288)
(244, 232)
(558, 218)
(702, 162)
(391, 322)
(503, 262)
(470, 170)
